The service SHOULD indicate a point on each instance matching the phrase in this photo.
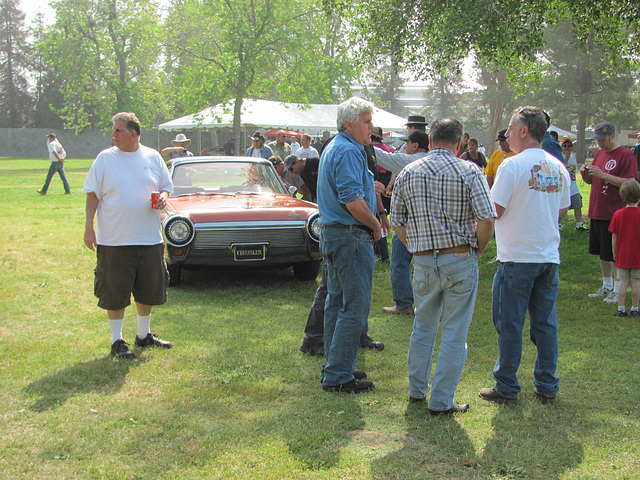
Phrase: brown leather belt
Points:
(442, 251)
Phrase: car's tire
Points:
(306, 271)
(175, 273)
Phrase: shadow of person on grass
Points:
(532, 440)
(433, 446)
(101, 375)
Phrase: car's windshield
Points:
(225, 178)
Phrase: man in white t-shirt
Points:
(128, 237)
(531, 194)
(57, 155)
(295, 146)
(306, 150)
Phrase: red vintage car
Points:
(235, 211)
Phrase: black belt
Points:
(350, 227)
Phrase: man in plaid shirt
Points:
(443, 212)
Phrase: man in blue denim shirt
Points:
(347, 204)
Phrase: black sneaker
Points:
(634, 313)
(353, 386)
(316, 350)
(151, 341)
(120, 349)
(543, 397)
(455, 409)
(368, 342)
(359, 375)
(621, 314)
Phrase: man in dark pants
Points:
(314, 329)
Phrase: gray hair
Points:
(350, 111)
(534, 118)
(130, 119)
(446, 131)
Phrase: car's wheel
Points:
(175, 272)
(306, 270)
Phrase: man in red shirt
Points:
(611, 167)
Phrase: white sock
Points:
(621, 308)
(144, 326)
(578, 224)
(616, 285)
(116, 330)
(607, 282)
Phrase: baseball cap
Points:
(603, 130)
(501, 135)
(419, 137)
(289, 161)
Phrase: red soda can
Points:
(154, 199)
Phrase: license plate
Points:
(248, 253)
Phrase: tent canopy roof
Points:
(269, 114)
(562, 132)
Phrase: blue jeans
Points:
(314, 329)
(518, 287)
(400, 279)
(350, 264)
(53, 168)
(445, 288)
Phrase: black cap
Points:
(416, 120)
(501, 135)
(419, 137)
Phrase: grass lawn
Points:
(236, 399)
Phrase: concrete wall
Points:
(32, 142)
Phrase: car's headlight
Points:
(313, 228)
(178, 230)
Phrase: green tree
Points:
(384, 85)
(47, 95)
(15, 53)
(224, 50)
(427, 36)
(108, 56)
(577, 87)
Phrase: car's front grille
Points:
(277, 237)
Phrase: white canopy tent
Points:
(266, 114)
(563, 133)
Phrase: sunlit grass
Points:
(236, 399)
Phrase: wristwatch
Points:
(383, 212)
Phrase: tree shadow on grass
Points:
(433, 447)
(323, 428)
(101, 375)
(532, 441)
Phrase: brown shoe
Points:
(492, 395)
(398, 311)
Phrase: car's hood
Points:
(224, 208)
